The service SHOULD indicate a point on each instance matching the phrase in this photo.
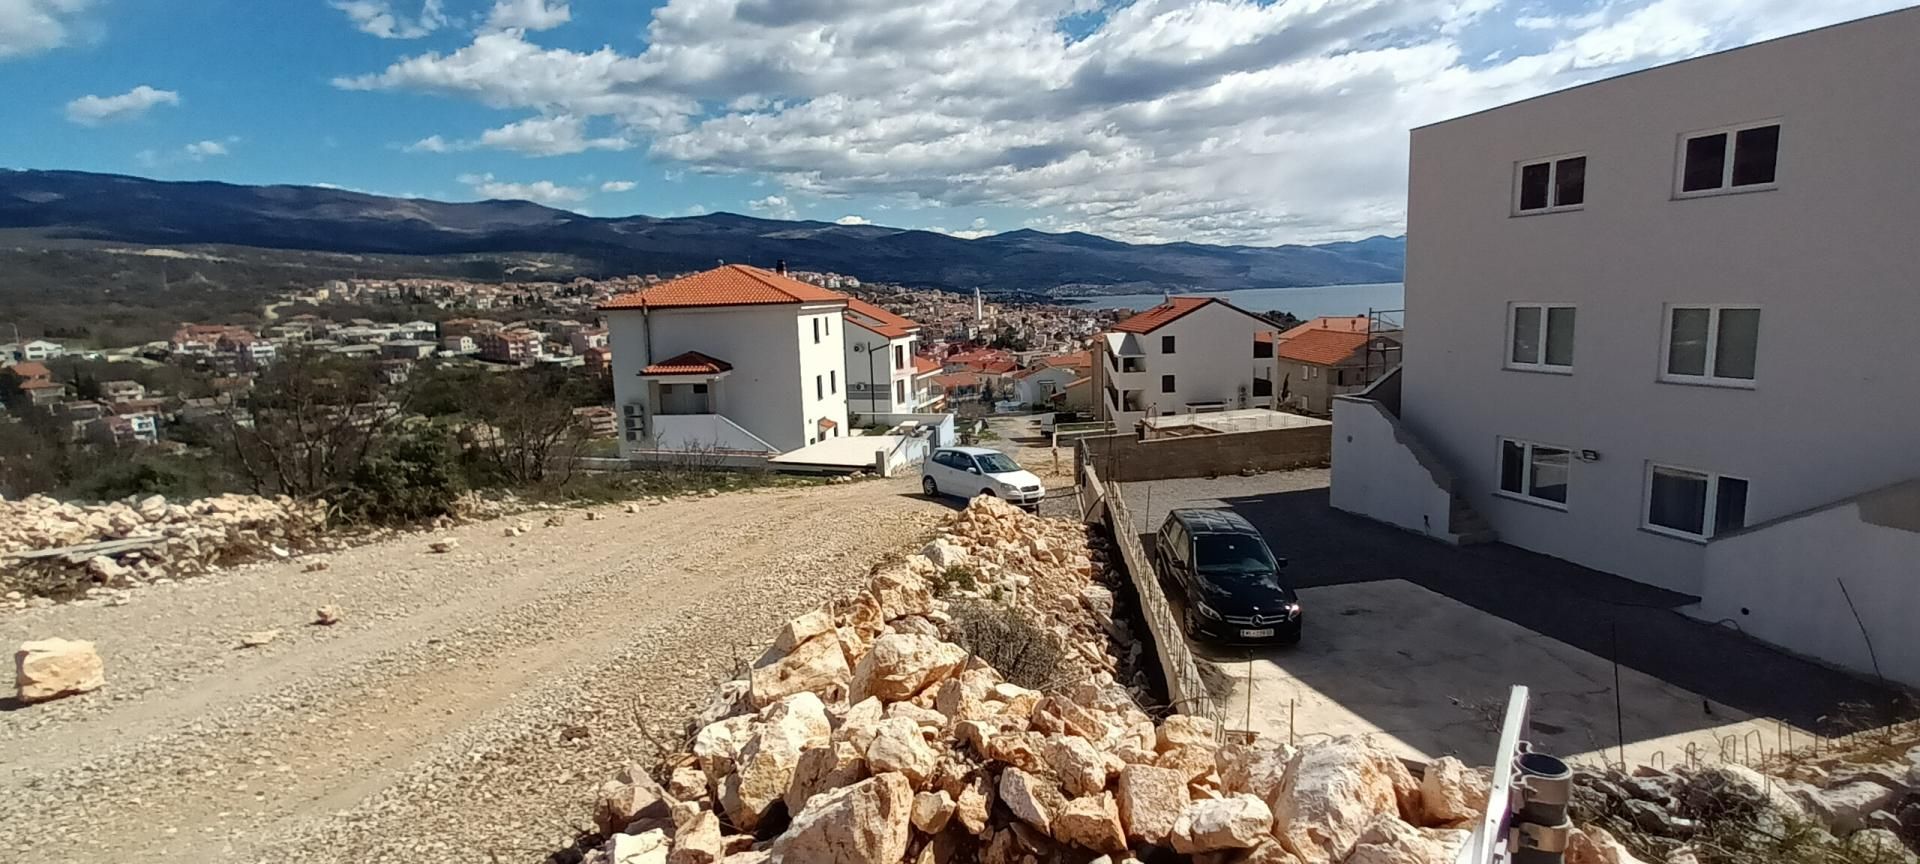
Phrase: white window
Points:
(1711, 345)
(1540, 337)
(1548, 185)
(1730, 159)
(1693, 504)
(1535, 472)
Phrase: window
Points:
(827, 322)
(899, 356)
(1166, 344)
(1711, 345)
(1551, 184)
(1694, 504)
(1540, 337)
(816, 331)
(1262, 387)
(1730, 159)
(1535, 472)
(833, 381)
(1308, 373)
(1166, 383)
(900, 391)
(700, 389)
(819, 387)
(1133, 364)
(1262, 350)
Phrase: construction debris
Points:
(53, 668)
(881, 729)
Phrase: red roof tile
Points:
(1321, 347)
(1341, 323)
(690, 363)
(31, 369)
(731, 285)
(925, 365)
(879, 320)
(1075, 360)
(955, 380)
(1161, 315)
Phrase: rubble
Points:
(52, 668)
(53, 547)
(882, 729)
(326, 616)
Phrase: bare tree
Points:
(310, 420)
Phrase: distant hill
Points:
(73, 205)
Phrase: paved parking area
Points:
(1418, 641)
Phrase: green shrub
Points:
(411, 479)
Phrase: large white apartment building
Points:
(1188, 354)
(1663, 326)
(735, 358)
(879, 360)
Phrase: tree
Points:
(314, 420)
(29, 463)
(528, 425)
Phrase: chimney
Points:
(780, 266)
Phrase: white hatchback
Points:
(970, 472)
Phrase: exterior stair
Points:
(1467, 525)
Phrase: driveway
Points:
(1418, 641)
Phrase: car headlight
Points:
(1293, 611)
(1204, 609)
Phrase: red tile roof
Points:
(925, 365)
(731, 285)
(31, 369)
(1161, 315)
(1076, 360)
(954, 380)
(884, 323)
(1341, 323)
(690, 363)
(1321, 347)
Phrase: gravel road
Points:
(463, 709)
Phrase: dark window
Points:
(833, 381)
(899, 356)
(816, 331)
(1678, 500)
(1166, 383)
(1534, 185)
(1730, 512)
(1548, 478)
(1262, 350)
(1570, 182)
(1166, 344)
(1262, 387)
(819, 387)
(1754, 153)
(1706, 164)
(1513, 467)
(699, 388)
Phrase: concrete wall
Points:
(1382, 472)
(1780, 582)
(1827, 255)
(1123, 458)
(762, 394)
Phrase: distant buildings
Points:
(1313, 364)
(520, 347)
(1189, 354)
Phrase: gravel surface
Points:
(463, 709)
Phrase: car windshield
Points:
(1236, 555)
(995, 463)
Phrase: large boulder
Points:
(1593, 845)
(899, 593)
(822, 768)
(1091, 822)
(1239, 822)
(974, 805)
(1082, 769)
(1844, 809)
(817, 665)
(1151, 800)
(897, 666)
(1258, 768)
(764, 769)
(1451, 792)
(899, 746)
(1336, 789)
(1031, 799)
(1391, 841)
(717, 744)
(866, 823)
(932, 811)
(698, 841)
(628, 796)
(51, 668)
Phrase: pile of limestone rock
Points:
(147, 539)
(867, 734)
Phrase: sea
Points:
(1304, 303)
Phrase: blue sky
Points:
(1159, 120)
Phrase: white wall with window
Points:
(1711, 345)
(1538, 473)
(1540, 337)
(1550, 185)
(1695, 505)
(1742, 158)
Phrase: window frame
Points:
(1526, 472)
(1553, 188)
(1709, 379)
(1168, 384)
(1546, 309)
(1709, 512)
(1167, 345)
(1726, 186)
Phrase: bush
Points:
(1023, 650)
(411, 479)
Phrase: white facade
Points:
(40, 349)
(1201, 361)
(879, 371)
(786, 374)
(1790, 280)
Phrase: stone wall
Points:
(1126, 459)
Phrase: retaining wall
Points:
(1125, 458)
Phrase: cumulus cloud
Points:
(1210, 120)
(539, 191)
(773, 206)
(851, 219)
(549, 136)
(618, 186)
(198, 151)
(33, 26)
(378, 18)
(95, 110)
(528, 14)
(430, 144)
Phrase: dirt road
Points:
(463, 710)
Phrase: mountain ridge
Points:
(77, 205)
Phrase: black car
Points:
(1230, 578)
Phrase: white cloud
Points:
(430, 144)
(852, 220)
(32, 26)
(528, 14)
(540, 191)
(618, 186)
(1210, 120)
(200, 150)
(377, 18)
(549, 136)
(95, 110)
(773, 207)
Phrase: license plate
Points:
(1257, 634)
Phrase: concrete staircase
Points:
(1468, 527)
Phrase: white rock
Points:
(650, 847)
(764, 769)
(1336, 789)
(1239, 822)
(51, 668)
(898, 666)
(866, 823)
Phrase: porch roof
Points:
(689, 363)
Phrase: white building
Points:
(879, 360)
(735, 358)
(40, 349)
(1188, 354)
(1663, 327)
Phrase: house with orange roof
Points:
(1045, 382)
(879, 360)
(1187, 355)
(734, 359)
(1315, 365)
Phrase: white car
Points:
(970, 472)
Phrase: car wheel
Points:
(928, 486)
(988, 493)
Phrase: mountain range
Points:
(74, 205)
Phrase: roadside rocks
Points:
(48, 669)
